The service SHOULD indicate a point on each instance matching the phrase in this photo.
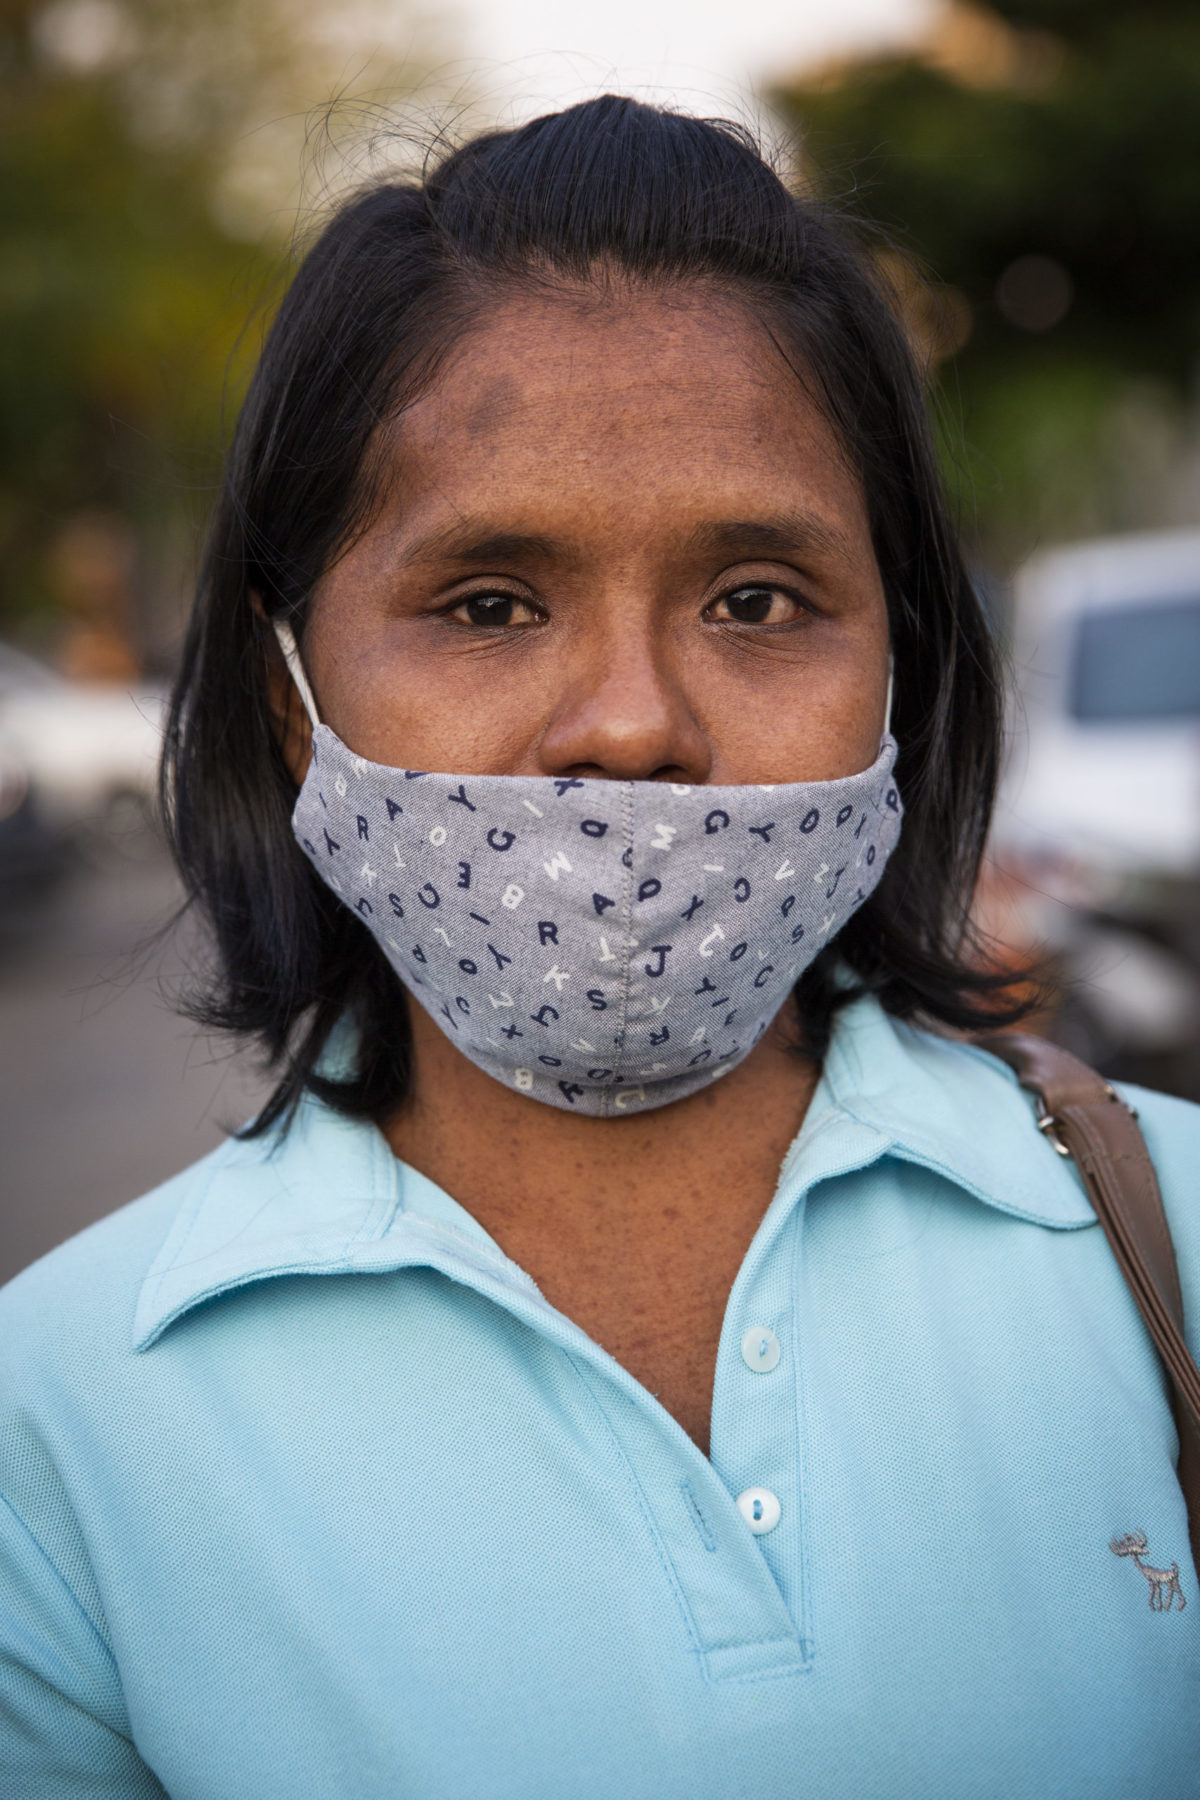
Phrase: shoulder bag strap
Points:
(1085, 1118)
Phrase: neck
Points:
(634, 1227)
(475, 1137)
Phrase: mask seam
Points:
(626, 921)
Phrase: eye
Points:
(492, 612)
(755, 605)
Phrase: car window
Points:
(1138, 663)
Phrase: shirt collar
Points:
(328, 1196)
(325, 1197)
(949, 1107)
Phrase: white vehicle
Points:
(1098, 824)
(89, 751)
(1104, 767)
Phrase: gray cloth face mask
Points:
(602, 946)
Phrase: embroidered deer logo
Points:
(1164, 1583)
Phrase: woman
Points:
(626, 1356)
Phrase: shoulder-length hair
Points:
(393, 280)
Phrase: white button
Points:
(760, 1509)
(760, 1349)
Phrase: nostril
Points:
(599, 772)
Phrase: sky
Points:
(699, 53)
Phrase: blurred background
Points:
(1035, 165)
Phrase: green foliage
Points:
(150, 169)
(121, 299)
(1063, 130)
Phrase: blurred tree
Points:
(1042, 161)
(150, 158)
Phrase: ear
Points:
(289, 721)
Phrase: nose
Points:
(626, 716)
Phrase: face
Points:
(617, 540)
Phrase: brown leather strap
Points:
(1085, 1118)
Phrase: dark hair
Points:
(393, 279)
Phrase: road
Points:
(104, 1091)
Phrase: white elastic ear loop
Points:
(291, 656)
(887, 713)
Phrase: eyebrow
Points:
(482, 547)
(781, 534)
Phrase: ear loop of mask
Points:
(291, 656)
(887, 711)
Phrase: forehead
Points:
(638, 396)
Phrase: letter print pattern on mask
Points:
(601, 946)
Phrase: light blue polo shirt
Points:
(310, 1494)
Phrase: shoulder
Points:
(76, 1305)
(1171, 1128)
(914, 1080)
(69, 1388)
(956, 1107)
(298, 1197)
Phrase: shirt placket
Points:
(758, 1440)
(733, 1616)
(730, 1528)
(737, 1621)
